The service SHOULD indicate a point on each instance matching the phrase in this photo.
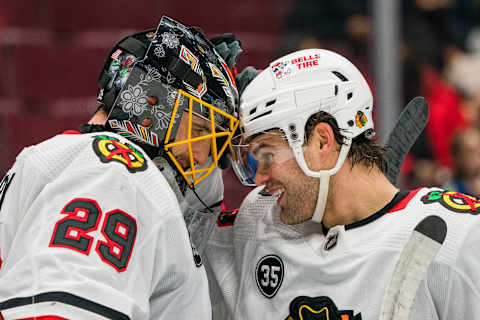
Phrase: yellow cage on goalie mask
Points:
(207, 130)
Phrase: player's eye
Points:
(266, 156)
(199, 131)
(265, 160)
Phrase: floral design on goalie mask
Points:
(173, 96)
(152, 75)
(170, 40)
(159, 51)
(134, 100)
(163, 115)
(170, 78)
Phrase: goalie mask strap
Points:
(184, 72)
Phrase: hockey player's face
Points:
(200, 149)
(277, 169)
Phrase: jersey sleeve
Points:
(181, 285)
(18, 188)
(93, 245)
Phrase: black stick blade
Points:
(408, 128)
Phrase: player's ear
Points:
(318, 152)
(322, 137)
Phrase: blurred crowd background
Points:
(51, 53)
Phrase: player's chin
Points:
(294, 215)
(287, 217)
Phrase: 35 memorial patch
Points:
(318, 308)
(453, 201)
(111, 149)
(269, 275)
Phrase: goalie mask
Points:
(155, 80)
(283, 97)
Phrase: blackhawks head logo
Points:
(360, 119)
(318, 308)
(111, 149)
(453, 201)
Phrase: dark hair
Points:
(362, 151)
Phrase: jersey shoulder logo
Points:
(269, 275)
(318, 308)
(453, 201)
(4, 184)
(109, 149)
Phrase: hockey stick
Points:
(408, 128)
(420, 250)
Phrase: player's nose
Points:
(201, 151)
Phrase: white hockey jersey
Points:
(268, 270)
(90, 229)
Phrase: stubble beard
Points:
(302, 194)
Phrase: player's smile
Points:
(279, 192)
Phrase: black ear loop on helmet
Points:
(199, 199)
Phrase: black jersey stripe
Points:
(399, 196)
(67, 298)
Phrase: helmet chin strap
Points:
(322, 199)
(323, 176)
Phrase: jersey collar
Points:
(399, 202)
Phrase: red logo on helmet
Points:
(306, 61)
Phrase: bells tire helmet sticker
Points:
(269, 275)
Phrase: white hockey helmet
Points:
(293, 88)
